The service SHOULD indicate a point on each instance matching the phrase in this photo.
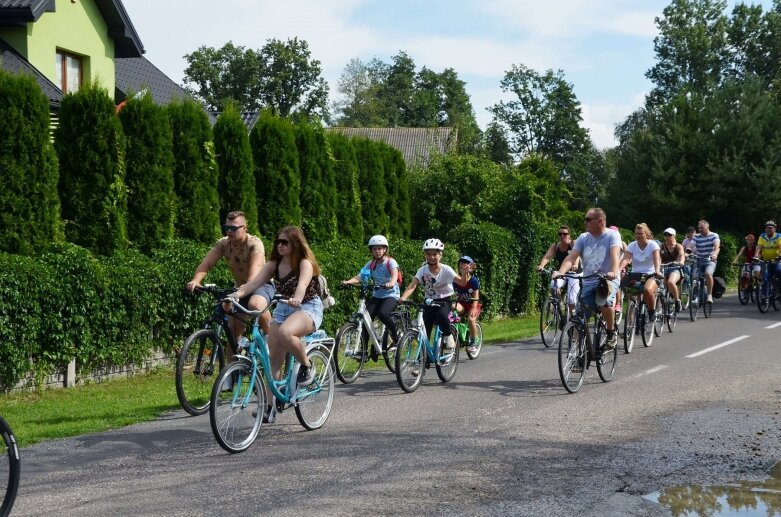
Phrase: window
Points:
(69, 73)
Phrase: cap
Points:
(671, 231)
(771, 223)
(467, 259)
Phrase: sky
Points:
(603, 47)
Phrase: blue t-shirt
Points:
(465, 293)
(381, 274)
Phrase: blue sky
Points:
(604, 47)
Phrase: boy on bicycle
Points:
(468, 298)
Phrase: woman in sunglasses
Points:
(557, 252)
(293, 269)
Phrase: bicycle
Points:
(203, 355)
(768, 291)
(699, 295)
(577, 349)
(669, 314)
(551, 317)
(747, 284)
(238, 400)
(354, 338)
(415, 353)
(10, 467)
(464, 335)
(635, 320)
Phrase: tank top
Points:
(669, 255)
(561, 255)
(287, 286)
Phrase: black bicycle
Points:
(203, 355)
(10, 467)
(768, 292)
(552, 317)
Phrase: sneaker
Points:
(415, 371)
(450, 343)
(651, 316)
(471, 349)
(578, 367)
(710, 298)
(678, 306)
(612, 339)
(306, 374)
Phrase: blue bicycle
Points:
(238, 399)
(415, 353)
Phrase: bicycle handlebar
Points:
(275, 300)
(428, 303)
(218, 292)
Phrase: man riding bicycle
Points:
(769, 249)
(705, 246)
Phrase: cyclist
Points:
(245, 256)
(643, 254)
(437, 281)
(558, 251)
(748, 252)
(769, 248)
(468, 298)
(671, 252)
(687, 241)
(598, 247)
(384, 271)
(705, 246)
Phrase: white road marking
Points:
(654, 369)
(716, 347)
(774, 325)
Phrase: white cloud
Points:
(601, 119)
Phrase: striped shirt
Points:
(705, 244)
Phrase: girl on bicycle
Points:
(748, 252)
(557, 252)
(384, 272)
(437, 281)
(672, 253)
(643, 254)
(468, 297)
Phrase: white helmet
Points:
(378, 240)
(433, 244)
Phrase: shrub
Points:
(371, 180)
(348, 196)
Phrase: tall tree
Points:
(316, 221)
(231, 73)
(371, 179)
(345, 169)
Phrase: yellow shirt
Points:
(769, 246)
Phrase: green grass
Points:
(61, 413)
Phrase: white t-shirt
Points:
(436, 287)
(643, 260)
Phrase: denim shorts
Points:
(313, 308)
(266, 291)
(589, 293)
(706, 266)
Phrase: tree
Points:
(316, 219)
(149, 177)
(236, 178)
(91, 147)
(231, 73)
(345, 169)
(358, 104)
(495, 145)
(371, 180)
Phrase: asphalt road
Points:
(502, 438)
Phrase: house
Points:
(416, 144)
(65, 43)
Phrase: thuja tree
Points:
(195, 172)
(318, 188)
(277, 178)
(397, 204)
(236, 182)
(149, 176)
(29, 205)
(371, 180)
(349, 224)
(90, 145)
(328, 181)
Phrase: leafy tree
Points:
(29, 206)
(149, 177)
(91, 148)
(236, 178)
(495, 145)
(277, 177)
(195, 172)
(358, 104)
(231, 73)
(345, 170)
(371, 180)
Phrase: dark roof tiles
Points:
(416, 144)
(12, 62)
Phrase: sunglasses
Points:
(668, 234)
(283, 242)
(560, 234)
(589, 219)
(231, 227)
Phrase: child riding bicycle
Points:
(468, 298)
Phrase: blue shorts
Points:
(589, 293)
(705, 266)
(313, 308)
(266, 291)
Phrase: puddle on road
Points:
(743, 498)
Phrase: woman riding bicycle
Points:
(468, 298)
(557, 252)
(643, 254)
(672, 253)
(748, 252)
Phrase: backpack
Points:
(399, 280)
(324, 292)
(719, 286)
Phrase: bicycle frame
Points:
(431, 352)
(582, 315)
(365, 323)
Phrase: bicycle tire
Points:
(10, 467)
(447, 361)
(313, 402)
(550, 320)
(630, 326)
(660, 316)
(744, 293)
(645, 325)
(686, 292)
(236, 413)
(694, 303)
(606, 358)
(763, 302)
(195, 370)
(410, 366)
(672, 314)
(478, 346)
(707, 308)
(350, 352)
(776, 298)
(572, 355)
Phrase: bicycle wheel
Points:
(660, 317)
(606, 358)
(763, 296)
(313, 402)
(10, 467)
(707, 308)
(694, 303)
(744, 290)
(237, 405)
(388, 346)
(672, 314)
(478, 346)
(410, 366)
(448, 359)
(550, 321)
(630, 326)
(686, 294)
(350, 353)
(645, 325)
(572, 357)
(200, 360)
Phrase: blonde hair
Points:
(645, 229)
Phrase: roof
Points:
(14, 63)
(133, 74)
(416, 144)
(120, 28)
(250, 118)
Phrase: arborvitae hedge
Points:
(313, 209)
(348, 194)
(91, 148)
(371, 180)
(29, 205)
(149, 176)
(277, 178)
(397, 205)
(328, 182)
(236, 184)
(195, 172)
